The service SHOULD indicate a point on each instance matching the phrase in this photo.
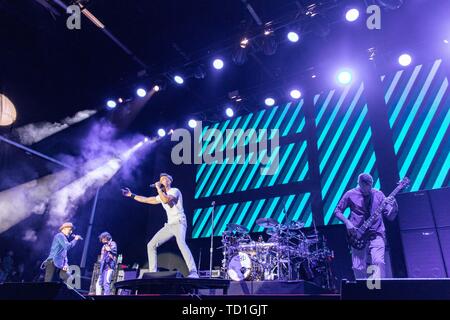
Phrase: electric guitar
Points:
(358, 237)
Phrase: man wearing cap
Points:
(56, 264)
(172, 201)
(364, 201)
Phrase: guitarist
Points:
(363, 201)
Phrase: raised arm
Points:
(339, 212)
(150, 200)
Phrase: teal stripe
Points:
(244, 212)
(432, 152)
(324, 106)
(229, 216)
(244, 127)
(222, 133)
(269, 163)
(224, 183)
(216, 177)
(348, 174)
(255, 126)
(392, 86)
(217, 216)
(294, 116)
(301, 207)
(423, 129)
(200, 171)
(337, 134)
(287, 152)
(255, 167)
(251, 222)
(301, 126)
(439, 183)
(196, 214)
(228, 136)
(268, 214)
(206, 141)
(404, 95)
(304, 172)
(295, 163)
(202, 224)
(282, 116)
(205, 179)
(343, 153)
(316, 98)
(333, 116)
(241, 172)
(269, 119)
(412, 114)
(286, 208)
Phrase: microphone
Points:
(213, 203)
(153, 185)
(74, 235)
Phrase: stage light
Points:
(244, 43)
(218, 64)
(296, 94)
(293, 36)
(192, 123)
(178, 79)
(171, 131)
(141, 92)
(156, 88)
(161, 132)
(313, 76)
(446, 41)
(111, 104)
(344, 77)
(404, 60)
(145, 139)
(120, 100)
(269, 101)
(352, 15)
(229, 112)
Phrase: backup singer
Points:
(363, 201)
(108, 261)
(56, 264)
(172, 201)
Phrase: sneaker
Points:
(193, 274)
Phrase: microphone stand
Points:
(211, 248)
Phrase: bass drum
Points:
(239, 267)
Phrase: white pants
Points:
(376, 248)
(177, 230)
(103, 285)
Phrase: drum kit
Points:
(289, 253)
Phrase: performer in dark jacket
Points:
(108, 261)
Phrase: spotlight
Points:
(269, 101)
(229, 112)
(171, 131)
(244, 43)
(314, 76)
(192, 123)
(352, 15)
(293, 36)
(178, 79)
(344, 77)
(156, 88)
(161, 132)
(145, 139)
(141, 92)
(120, 100)
(111, 104)
(296, 94)
(218, 64)
(446, 41)
(404, 60)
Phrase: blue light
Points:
(111, 104)
(296, 94)
(141, 92)
(293, 36)
(161, 132)
(269, 102)
(218, 64)
(178, 79)
(352, 15)
(405, 60)
(229, 112)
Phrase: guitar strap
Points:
(368, 205)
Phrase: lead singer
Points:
(172, 201)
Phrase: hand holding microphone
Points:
(126, 192)
(77, 237)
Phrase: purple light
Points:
(446, 41)
(405, 60)
(192, 123)
(141, 92)
(161, 132)
(269, 101)
(293, 36)
(218, 64)
(352, 15)
(229, 112)
(296, 94)
(344, 77)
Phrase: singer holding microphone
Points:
(56, 265)
(172, 202)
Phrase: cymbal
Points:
(266, 222)
(237, 228)
(295, 225)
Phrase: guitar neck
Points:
(379, 210)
